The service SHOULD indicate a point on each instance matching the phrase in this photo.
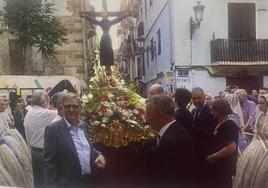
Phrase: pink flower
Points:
(125, 112)
(142, 115)
(104, 111)
(104, 98)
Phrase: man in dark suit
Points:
(169, 164)
(69, 157)
(182, 115)
(203, 125)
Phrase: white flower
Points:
(95, 123)
(110, 96)
(135, 111)
(84, 99)
(132, 122)
(106, 104)
(110, 113)
(122, 82)
(103, 125)
(130, 113)
(105, 120)
(89, 96)
(92, 79)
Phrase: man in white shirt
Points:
(35, 123)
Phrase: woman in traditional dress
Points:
(11, 163)
(5, 178)
(23, 158)
(237, 117)
(222, 150)
(252, 169)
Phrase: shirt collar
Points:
(163, 129)
(37, 107)
(69, 125)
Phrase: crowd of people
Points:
(200, 137)
(221, 128)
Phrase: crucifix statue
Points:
(106, 50)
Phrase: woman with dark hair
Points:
(19, 114)
(222, 150)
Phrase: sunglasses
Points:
(69, 106)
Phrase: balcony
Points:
(239, 51)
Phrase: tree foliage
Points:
(33, 22)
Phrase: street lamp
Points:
(195, 24)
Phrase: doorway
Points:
(246, 82)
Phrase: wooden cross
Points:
(106, 51)
(104, 5)
(83, 14)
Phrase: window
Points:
(143, 65)
(147, 56)
(159, 41)
(152, 48)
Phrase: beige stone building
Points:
(73, 58)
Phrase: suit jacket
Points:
(170, 164)
(61, 162)
(203, 126)
(184, 118)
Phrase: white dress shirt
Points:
(35, 123)
(28, 107)
(163, 130)
(82, 146)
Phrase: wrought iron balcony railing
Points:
(239, 50)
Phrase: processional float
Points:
(115, 114)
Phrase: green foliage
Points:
(34, 24)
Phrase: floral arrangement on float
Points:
(114, 112)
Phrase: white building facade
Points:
(229, 48)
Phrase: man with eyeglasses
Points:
(69, 157)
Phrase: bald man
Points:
(248, 109)
(156, 89)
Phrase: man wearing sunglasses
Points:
(69, 157)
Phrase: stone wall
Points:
(4, 53)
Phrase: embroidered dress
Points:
(252, 168)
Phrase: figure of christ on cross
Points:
(106, 50)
